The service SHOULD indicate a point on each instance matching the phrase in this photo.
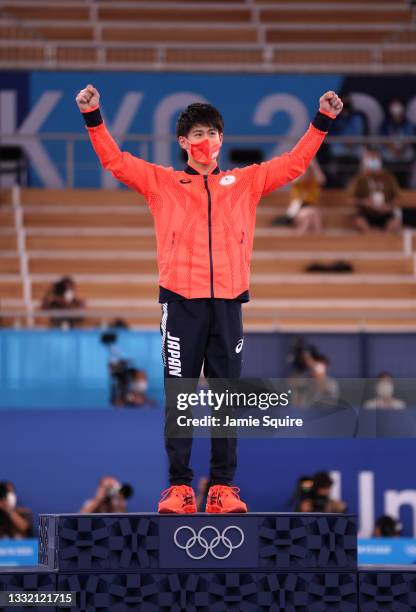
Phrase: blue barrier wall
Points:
(56, 369)
(56, 457)
(41, 369)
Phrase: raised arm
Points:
(138, 174)
(285, 168)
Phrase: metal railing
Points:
(274, 318)
(142, 146)
(29, 315)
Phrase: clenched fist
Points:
(330, 103)
(88, 98)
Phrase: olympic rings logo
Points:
(208, 547)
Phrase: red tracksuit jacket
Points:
(204, 224)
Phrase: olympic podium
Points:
(217, 563)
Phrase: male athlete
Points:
(204, 220)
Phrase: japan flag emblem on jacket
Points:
(228, 179)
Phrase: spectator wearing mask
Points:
(345, 157)
(387, 527)
(375, 192)
(397, 155)
(15, 521)
(303, 213)
(318, 499)
(384, 398)
(62, 296)
(110, 497)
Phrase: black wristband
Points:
(322, 122)
(93, 118)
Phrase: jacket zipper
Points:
(172, 249)
(243, 256)
(211, 266)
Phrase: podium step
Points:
(190, 592)
(215, 592)
(387, 588)
(270, 562)
(370, 589)
(132, 542)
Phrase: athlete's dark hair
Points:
(197, 113)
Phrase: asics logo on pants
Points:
(239, 346)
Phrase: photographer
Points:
(302, 491)
(62, 296)
(128, 384)
(323, 389)
(299, 379)
(387, 527)
(111, 496)
(137, 390)
(316, 496)
(309, 379)
(15, 522)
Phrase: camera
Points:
(108, 338)
(125, 490)
(122, 371)
(296, 355)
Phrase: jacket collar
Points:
(189, 170)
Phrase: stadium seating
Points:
(254, 35)
(107, 244)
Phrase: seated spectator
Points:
(375, 192)
(15, 521)
(387, 527)
(111, 496)
(317, 497)
(62, 296)
(344, 158)
(397, 155)
(384, 398)
(303, 213)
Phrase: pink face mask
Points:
(204, 152)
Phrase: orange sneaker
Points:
(222, 498)
(177, 499)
